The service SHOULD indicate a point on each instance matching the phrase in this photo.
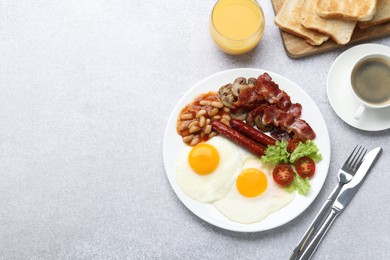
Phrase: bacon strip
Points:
(272, 115)
(267, 91)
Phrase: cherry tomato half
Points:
(305, 167)
(293, 144)
(283, 174)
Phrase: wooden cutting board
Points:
(297, 48)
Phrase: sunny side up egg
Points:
(255, 194)
(207, 171)
(238, 184)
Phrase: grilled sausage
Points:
(252, 132)
(238, 138)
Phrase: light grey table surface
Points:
(86, 89)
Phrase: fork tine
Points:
(357, 157)
(348, 161)
(360, 158)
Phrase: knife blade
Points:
(349, 190)
(342, 200)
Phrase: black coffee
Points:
(371, 81)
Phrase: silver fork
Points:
(344, 175)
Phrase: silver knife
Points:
(342, 200)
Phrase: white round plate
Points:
(341, 97)
(173, 145)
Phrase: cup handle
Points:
(359, 112)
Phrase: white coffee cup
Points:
(370, 82)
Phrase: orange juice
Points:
(236, 26)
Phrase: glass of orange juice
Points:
(236, 26)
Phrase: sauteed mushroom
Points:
(239, 114)
(238, 85)
(262, 127)
(229, 93)
(226, 95)
(252, 82)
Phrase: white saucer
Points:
(340, 96)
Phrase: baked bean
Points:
(217, 104)
(202, 121)
(205, 103)
(183, 125)
(227, 117)
(193, 123)
(207, 129)
(212, 134)
(186, 116)
(194, 129)
(213, 112)
(224, 121)
(195, 140)
(188, 138)
(201, 113)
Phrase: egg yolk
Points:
(251, 182)
(203, 158)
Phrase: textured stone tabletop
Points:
(86, 90)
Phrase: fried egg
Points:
(208, 170)
(254, 195)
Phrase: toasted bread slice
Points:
(382, 15)
(340, 31)
(288, 19)
(355, 10)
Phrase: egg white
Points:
(239, 208)
(211, 187)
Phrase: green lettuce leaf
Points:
(277, 153)
(306, 149)
(300, 184)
